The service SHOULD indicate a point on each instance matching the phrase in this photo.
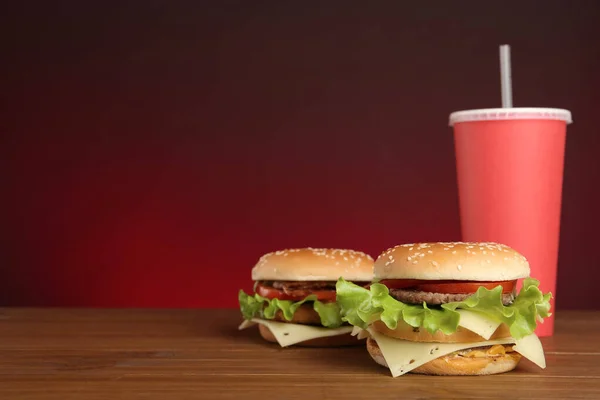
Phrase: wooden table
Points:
(180, 354)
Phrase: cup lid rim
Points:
(500, 114)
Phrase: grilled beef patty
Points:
(418, 297)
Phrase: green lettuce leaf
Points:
(329, 313)
(360, 307)
(261, 307)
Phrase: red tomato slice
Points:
(273, 293)
(449, 287)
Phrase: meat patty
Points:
(299, 288)
(418, 297)
(302, 285)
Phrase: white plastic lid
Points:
(498, 114)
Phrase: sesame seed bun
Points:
(466, 261)
(310, 264)
(453, 364)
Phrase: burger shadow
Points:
(246, 336)
(228, 329)
(352, 359)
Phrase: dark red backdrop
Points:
(152, 151)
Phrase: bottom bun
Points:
(455, 364)
(328, 341)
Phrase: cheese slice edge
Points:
(288, 334)
(478, 323)
(246, 324)
(531, 348)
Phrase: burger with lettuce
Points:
(448, 309)
(294, 299)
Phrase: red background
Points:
(152, 151)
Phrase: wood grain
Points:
(200, 354)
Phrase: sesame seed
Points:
(345, 258)
(411, 248)
(484, 252)
(429, 252)
(453, 251)
(435, 264)
(415, 261)
(459, 267)
(408, 258)
(446, 248)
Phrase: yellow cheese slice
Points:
(359, 332)
(403, 356)
(246, 324)
(531, 348)
(478, 323)
(470, 320)
(288, 334)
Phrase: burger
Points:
(448, 309)
(294, 299)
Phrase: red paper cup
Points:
(510, 171)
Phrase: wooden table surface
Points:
(180, 354)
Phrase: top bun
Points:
(464, 261)
(310, 264)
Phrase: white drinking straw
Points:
(505, 76)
